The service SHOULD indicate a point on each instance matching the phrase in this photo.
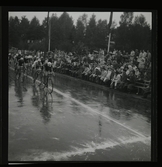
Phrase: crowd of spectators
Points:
(116, 70)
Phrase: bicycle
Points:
(20, 73)
(48, 81)
(36, 74)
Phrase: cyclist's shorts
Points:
(26, 64)
(38, 71)
(46, 73)
(20, 68)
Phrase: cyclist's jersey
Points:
(18, 57)
(42, 61)
(48, 68)
(26, 60)
(20, 62)
(37, 65)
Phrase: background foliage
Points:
(86, 35)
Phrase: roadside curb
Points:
(102, 87)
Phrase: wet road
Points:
(80, 122)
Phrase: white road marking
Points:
(90, 109)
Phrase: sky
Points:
(75, 15)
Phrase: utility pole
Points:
(109, 40)
(49, 34)
(47, 47)
(109, 31)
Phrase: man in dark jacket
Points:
(131, 79)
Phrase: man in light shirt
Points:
(107, 79)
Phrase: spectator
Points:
(131, 81)
(144, 54)
(139, 58)
(132, 55)
(86, 72)
(136, 54)
(89, 67)
(141, 64)
(115, 80)
(127, 70)
(115, 64)
(149, 56)
(103, 74)
(108, 77)
(123, 79)
(137, 73)
(118, 57)
(94, 73)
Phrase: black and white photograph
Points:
(79, 86)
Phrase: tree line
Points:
(86, 35)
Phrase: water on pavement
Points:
(80, 122)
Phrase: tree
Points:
(136, 35)
(23, 30)
(54, 32)
(44, 27)
(141, 33)
(35, 32)
(91, 33)
(14, 31)
(141, 20)
(126, 18)
(101, 34)
(80, 31)
(24, 26)
(65, 29)
(123, 32)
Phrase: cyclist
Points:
(9, 58)
(20, 66)
(26, 62)
(37, 67)
(48, 69)
(16, 59)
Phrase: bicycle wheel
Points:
(17, 73)
(35, 76)
(22, 77)
(50, 85)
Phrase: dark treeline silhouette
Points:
(86, 35)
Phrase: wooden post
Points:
(49, 34)
(109, 30)
(108, 48)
